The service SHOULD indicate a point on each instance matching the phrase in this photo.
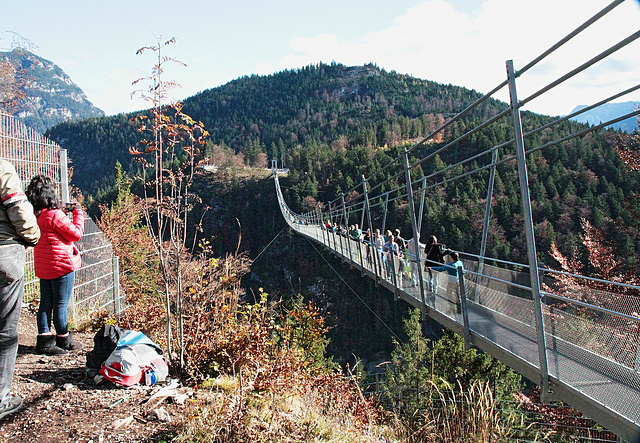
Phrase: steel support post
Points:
(373, 248)
(340, 217)
(323, 228)
(529, 232)
(414, 225)
(487, 213)
(333, 232)
(463, 308)
(384, 218)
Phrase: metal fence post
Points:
(529, 232)
(346, 226)
(424, 192)
(323, 226)
(116, 284)
(463, 308)
(64, 177)
(384, 218)
(72, 303)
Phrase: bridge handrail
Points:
(594, 307)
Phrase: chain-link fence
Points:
(97, 286)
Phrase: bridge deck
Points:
(503, 325)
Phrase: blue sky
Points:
(462, 42)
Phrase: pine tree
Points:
(408, 373)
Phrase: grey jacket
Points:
(17, 221)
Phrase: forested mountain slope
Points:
(331, 123)
(333, 104)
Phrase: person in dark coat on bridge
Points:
(402, 243)
(435, 252)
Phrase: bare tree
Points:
(167, 151)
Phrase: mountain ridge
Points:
(325, 103)
(51, 96)
(609, 111)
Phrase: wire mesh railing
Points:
(580, 342)
(96, 286)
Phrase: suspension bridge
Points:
(581, 347)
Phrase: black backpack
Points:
(104, 342)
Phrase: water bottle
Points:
(150, 377)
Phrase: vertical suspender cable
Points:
(414, 227)
(372, 247)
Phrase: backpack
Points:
(104, 343)
(134, 357)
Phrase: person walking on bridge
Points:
(392, 254)
(453, 283)
(413, 251)
(435, 252)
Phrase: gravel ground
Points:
(62, 404)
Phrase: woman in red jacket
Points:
(56, 259)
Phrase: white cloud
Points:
(434, 41)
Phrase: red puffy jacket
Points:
(55, 254)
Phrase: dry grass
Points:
(311, 415)
(456, 416)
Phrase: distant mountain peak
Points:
(51, 96)
(609, 111)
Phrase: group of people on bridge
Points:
(397, 261)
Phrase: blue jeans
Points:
(54, 300)
(12, 262)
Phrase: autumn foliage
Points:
(604, 261)
(12, 90)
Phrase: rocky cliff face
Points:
(51, 96)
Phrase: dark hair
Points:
(42, 194)
(453, 255)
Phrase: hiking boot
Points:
(46, 344)
(66, 342)
(9, 405)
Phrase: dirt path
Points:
(61, 404)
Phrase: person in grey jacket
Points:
(18, 230)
